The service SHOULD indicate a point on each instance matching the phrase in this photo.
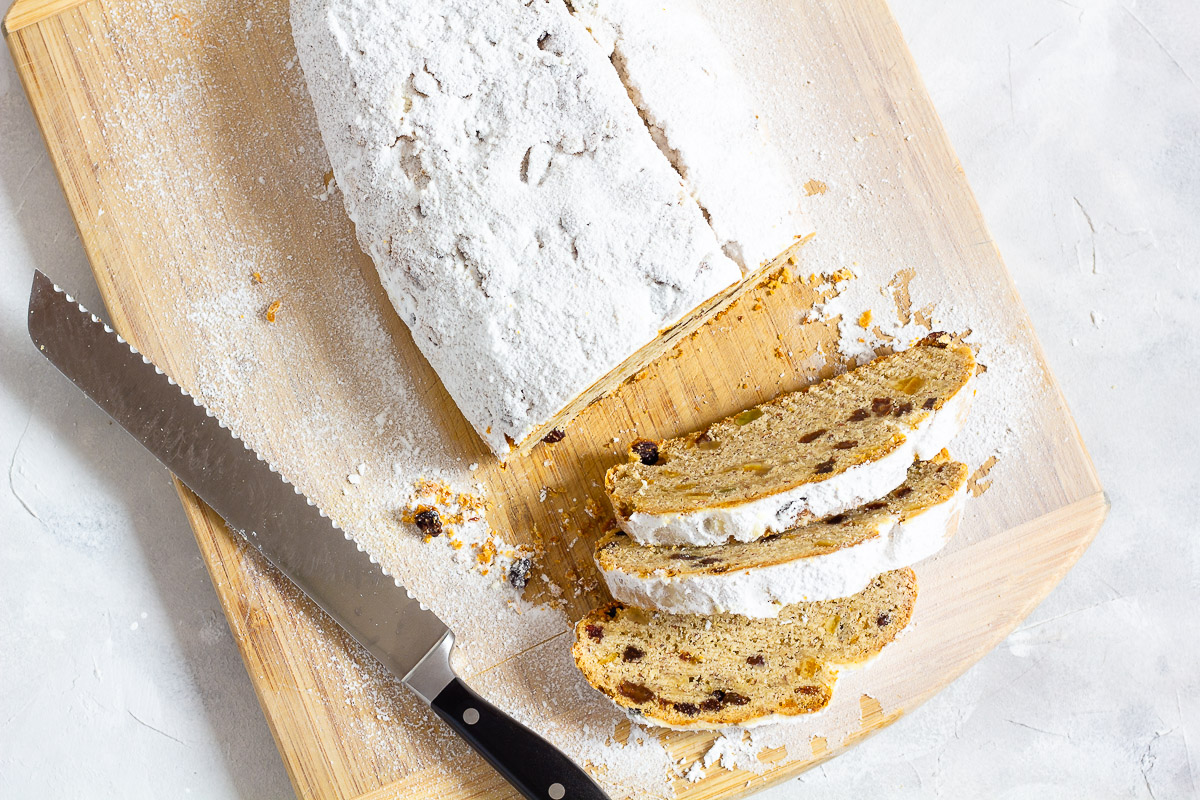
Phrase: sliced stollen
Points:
(822, 450)
(527, 229)
(691, 671)
(835, 557)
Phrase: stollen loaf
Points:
(530, 233)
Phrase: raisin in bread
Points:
(692, 671)
(808, 454)
(527, 229)
(835, 557)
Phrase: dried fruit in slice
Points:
(698, 671)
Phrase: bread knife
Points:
(294, 535)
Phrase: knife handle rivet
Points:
(556, 791)
(471, 716)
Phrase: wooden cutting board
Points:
(170, 179)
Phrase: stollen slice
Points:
(813, 453)
(835, 557)
(689, 671)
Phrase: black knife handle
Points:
(535, 768)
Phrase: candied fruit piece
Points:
(636, 692)
(808, 668)
(748, 416)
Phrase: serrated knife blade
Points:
(293, 533)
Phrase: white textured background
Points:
(1079, 126)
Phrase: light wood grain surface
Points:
(97, 83)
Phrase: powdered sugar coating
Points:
(524, 224)
(699, 112)
(762, 592)
(859, 484)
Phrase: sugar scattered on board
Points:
(359, 396)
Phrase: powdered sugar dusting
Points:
(874, 317)
(734, 750)
(859, 167)
(464, 134)
(699, 114)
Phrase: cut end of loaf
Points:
(651, 351)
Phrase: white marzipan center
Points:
(764, 591)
